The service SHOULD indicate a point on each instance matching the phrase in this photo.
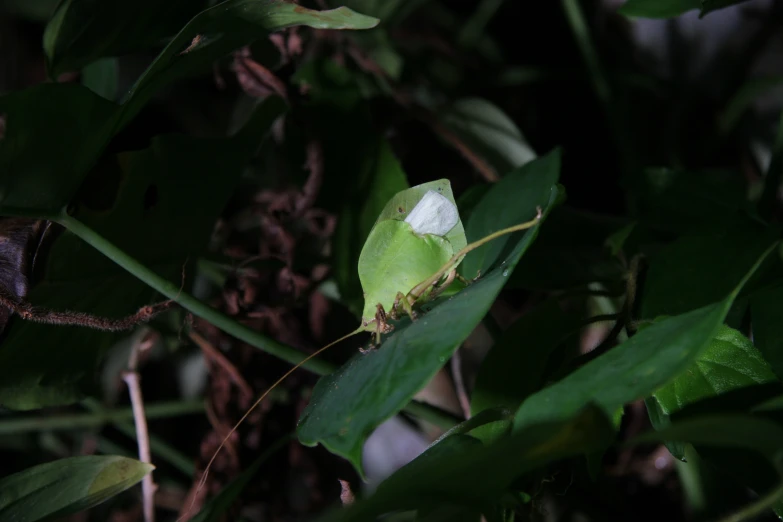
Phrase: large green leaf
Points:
(635, 368)
(39, 184)
(347, 405)
(729, 362)
(701, 267)
(217, 31)
(464, 472)
(66, 486)
(81, 31)
(515, 367)
(165, 200)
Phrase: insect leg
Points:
(402, 302)
(381, 326)
(439, 289)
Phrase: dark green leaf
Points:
(571, 251)
(765, 309)
(448, 471)
(701, 267)
(227, 26)
(378, 179)
(36, 183)
(497, 211)
(347, 405)
(678, 201)
(733, 431)
(729, 362)
(101, 78)
(165, 200)
(660, 421)
(82, 31)
(514, 367)
(651, 358)
(66, 486)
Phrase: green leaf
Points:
(163, 204)
(658, 8)
(227, 26)
(652, 357)
(497, 211)
(515, 366)
(101, 78)
(765, 309)
(347, 405)
(701, 267)
(734, 431)
(448, 470)
(37, 184)
(679, 201)
(571, 252)
(82, 31)
(729, 362)
(378, 179)
(38, 114)
(488, 131)
(66, 486)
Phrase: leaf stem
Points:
(97, 418)
(755, 509)
(189, 302)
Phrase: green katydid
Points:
(409, 258)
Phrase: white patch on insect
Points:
(433, 214)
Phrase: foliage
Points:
(240, 159)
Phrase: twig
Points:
(131, 378)
(459, 383)
(38, 314)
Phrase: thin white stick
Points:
(131, 378)
(459, 383)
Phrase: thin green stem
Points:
(440, 418)
(419, 289)
(160, 448)
(218, 319)
(173, 292)
(755, 509)
(96, 419)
